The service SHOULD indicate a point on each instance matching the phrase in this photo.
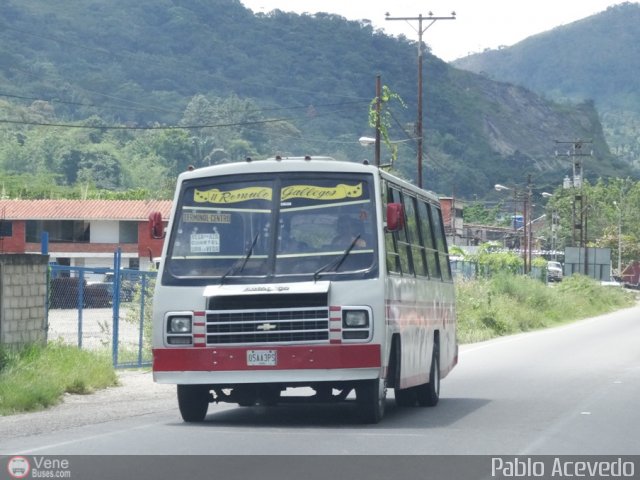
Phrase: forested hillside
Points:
(597, 59)
(124, 95)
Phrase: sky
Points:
(479, 24)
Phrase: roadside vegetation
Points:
(506, 304)
(36, 377)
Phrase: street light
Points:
(367, 141)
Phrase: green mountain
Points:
(596, 58)
(238, 84)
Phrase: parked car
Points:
(554, 271)
(127, 287)
(98, 295)
(64, 293)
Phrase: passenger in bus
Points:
(346, 229)
(288, 244)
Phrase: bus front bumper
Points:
(287, 364)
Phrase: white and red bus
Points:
(302, 272)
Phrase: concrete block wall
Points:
(23, 298)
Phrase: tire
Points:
(269, 396)
(193, 402)
(371, 397)
(245, 395)
(406, 397)
(429, 393)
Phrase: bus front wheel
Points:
(371, 396)
(193, 402)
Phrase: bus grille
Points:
(287, 325)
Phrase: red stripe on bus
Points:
(289, 358)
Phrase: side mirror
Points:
(395, 217)
(156, 226)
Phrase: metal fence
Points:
(102, 309)
(469, 270)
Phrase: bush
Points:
(505, 304)
(36, 377)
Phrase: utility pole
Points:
(525, 232)
(431, 19)
(530, 215)
(526, 200)
(580, 206)
(378, 111)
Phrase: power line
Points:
(79, 104)
(161, 127)
(153, 127)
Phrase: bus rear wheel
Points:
(371, 396)
(429, 393)
(193, 402)
(406, 397)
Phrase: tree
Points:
(99, 168)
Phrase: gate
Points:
(103, 309)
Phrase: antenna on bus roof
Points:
(307, 157)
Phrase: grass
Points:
(507, 304)
(36, 377)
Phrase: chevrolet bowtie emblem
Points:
(267, 326)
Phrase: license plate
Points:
(268, 358)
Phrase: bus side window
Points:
(426, 230)
(441, 242)
(394, 260)
(416, 250)
(402, 242)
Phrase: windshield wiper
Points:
(245, 259)
(334, 265)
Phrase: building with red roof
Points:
(83, 233)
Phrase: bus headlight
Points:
(179, 325)
(355, 319)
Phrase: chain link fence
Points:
(469, 270)
(102, 309)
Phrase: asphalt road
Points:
(567, 390)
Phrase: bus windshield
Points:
(273, 227)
